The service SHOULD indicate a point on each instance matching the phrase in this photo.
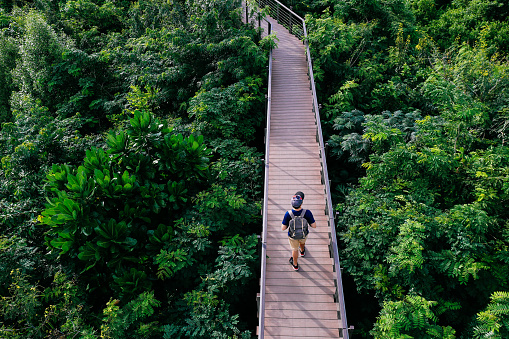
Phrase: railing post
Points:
(258, 304)
(290, 24)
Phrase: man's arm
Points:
(286, 221)
(310, 219)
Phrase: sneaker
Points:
(295, 267)
(302, 253)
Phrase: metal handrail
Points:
(275, 7)
(261, 309)
(284, 16)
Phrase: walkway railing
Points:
(297, 26)
(285, 17)
(261, 308)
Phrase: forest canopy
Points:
(130, 171)
(415, 100)
(130, 175)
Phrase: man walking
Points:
(297, 221)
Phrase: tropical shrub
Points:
(116, 212)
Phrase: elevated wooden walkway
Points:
(297, 304)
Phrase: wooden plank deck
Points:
(297, 304)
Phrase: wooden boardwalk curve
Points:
(297, 304)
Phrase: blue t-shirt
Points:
(308, 216)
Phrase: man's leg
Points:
(294, 245)
(302, 247)
(295, 255)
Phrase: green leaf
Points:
(104, 244)
(99, 176)
(63, 244)
(131, 242)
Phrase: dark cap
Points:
(301, 194)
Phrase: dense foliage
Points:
(130, 175)
(130, 172)
(415, 101)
